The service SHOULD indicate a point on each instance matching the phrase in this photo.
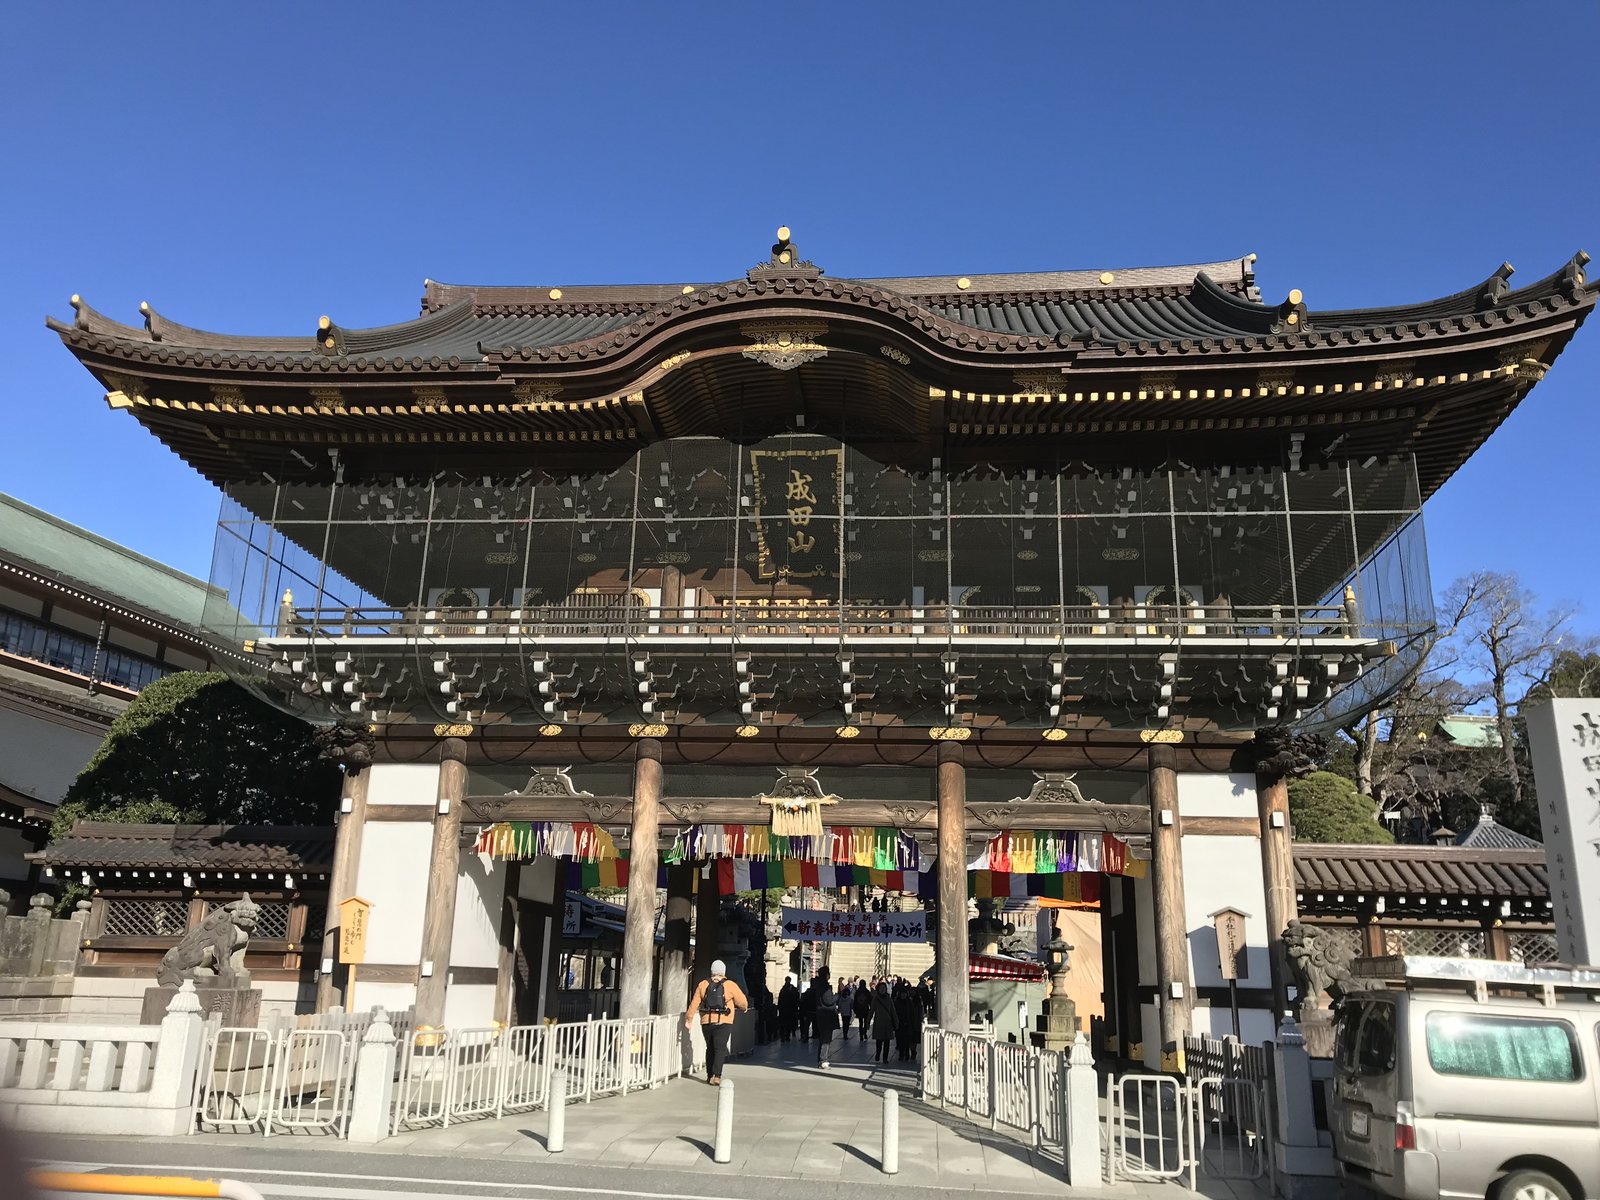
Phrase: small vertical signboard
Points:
(353, 914)
(1232, 956)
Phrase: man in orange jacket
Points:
(715, 1002)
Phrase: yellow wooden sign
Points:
(353, 913)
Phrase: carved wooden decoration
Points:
(796, 801)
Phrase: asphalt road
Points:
(296, 1168)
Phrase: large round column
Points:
(351, 821)
(1277, 878)
(1171, 921)
(639, 925)
(955, 1010)
(676, 960)
(444, 865)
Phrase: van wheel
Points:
(1531, 1185)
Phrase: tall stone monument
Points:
(1564, 737)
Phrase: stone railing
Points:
(36, 946)
(57, 1077)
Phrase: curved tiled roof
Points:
(192, 847)
(1421, 871)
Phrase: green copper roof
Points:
(1475, 733)
(102, 569)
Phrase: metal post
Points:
(555, 1131)
(723, 1150)
(891, 1132)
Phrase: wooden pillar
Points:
(1277, 880)
(1497, 940)
(351, 821)
(505, 980)
(444, 865)
(671, 598)
(707, 921)
(677, 961)
(955, 1010)
(639, 925)
(1374, 940)
(1172, 933)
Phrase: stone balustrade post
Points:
(372, 1093)
(177, 1059)
(1299, 1149)
(1081, 1100)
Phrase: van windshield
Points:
(1502, 1047)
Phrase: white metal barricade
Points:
(422, 1084)
(978, 1056)
(238, 1073)
(1011, 1084)
(525, 1068)
(1150, 1134)
(472, 1075)
(311, 1093)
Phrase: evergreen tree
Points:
(197, 748)
(1324, 807)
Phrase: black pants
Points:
(883, 1050)
(716, 1048)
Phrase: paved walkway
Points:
(792, 1122)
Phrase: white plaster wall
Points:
(12, 847)
(1223, 872)
(404, 783)
(391, 997)
(126, 639)
(475, 937)
(184, 661)
(1255, 1024)
(41, 758)
(393, 875)
(538, 880)
(1217, 795)
(21, 602)
(469, 1005)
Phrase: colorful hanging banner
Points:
(854, 925)
(1052, 852)
(882, 848)
(579, 840)
(1078, 887)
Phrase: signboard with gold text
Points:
(799, 499)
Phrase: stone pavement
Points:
(792, 1121)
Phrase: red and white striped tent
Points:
(999, 966)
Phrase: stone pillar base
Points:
(240, 1007)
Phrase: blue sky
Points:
(252, 170)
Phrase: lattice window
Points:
(1534, 949)
(1438, 943)
(141, 917)
(273, 923)
(316, 923)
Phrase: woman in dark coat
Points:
(883, 1021)
(826, 1021)
(861, 1005)
(908, 1021)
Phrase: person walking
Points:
(861, 1004)
(715, 1002)
(808, 1008)
(845, 1011)
(788, 1008)
(883, 1021)
(826, 1021)
(907, 1021)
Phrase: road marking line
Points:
(474, 1183)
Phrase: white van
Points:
(1468, 1078)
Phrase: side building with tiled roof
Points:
(84, 625)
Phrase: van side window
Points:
(1487, 1047)
(1375, 1047)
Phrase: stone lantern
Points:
(1057, 1026)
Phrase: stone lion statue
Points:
(1319, 964)
(213, 952)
